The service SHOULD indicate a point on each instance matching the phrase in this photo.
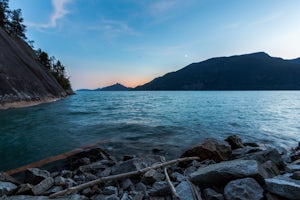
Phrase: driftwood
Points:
(173, 190)
(74, 189)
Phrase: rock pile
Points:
(218, 170)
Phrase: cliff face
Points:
(22, 77)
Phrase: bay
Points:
(138, 122)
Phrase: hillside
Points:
(256, 71)
(114, 87)
(22, 78)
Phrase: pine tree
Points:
(17, 28)
(4, 13)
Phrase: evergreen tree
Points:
(4, 13)
(16, 26)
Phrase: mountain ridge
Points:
(253, 71)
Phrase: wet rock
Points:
(292, 168)
(26, 197)
(126, 184)
(70, 183)
(271, 169)
(93, 167)
(112, 197)
(25, 189)
(127, 166)
(189, 170)
(160, 189)
(241, 152)
(211, 194)
(127, 157)
(284, 186)
(4, 177)
(243, 189)
(178, 177)
(110, 190)
(270, 196)
(43, 186)
(234, 141)
(53, 190)
(266, 155)
(251, 144)
(67, 173)
(73, 197)
(59, 181)
(212, 149)
(296, 175)
(90, 177)
(221, 173)
(184, 191)
(35, 175)
(7, 188)
(296, 162)
(140, 187)
(126, 197)
(104, 173)
(152, 176)
(138, 196)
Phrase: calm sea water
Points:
(138, 122)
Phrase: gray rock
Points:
(160, 189)
(138, 195)
(112, 197)
(234, 141)
(184, 191)
(59, 181)
(67, 173)
(105, 172)
(53, 190)
(93, 167)
(126, 183)
(43, 186)
(189, 170)
(35, 175)
(152, 176)
(110, 190)
(70, 183)
(126, 197)
(178, 177)
(4, 177)
(296, 175)
(140, 187)
(90, 177)
(7, 188)
(26, 197)
(224, 172)
(296, 162)
(270, 196)
(243, 189)
(25, 189)
(284, 186)
(292, 168)
(73, 197)
(271, 169)
(241, 152)
(211, 194)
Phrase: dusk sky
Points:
(102, 42)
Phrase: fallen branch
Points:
(119, 176)
(173, 190)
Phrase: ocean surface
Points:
(139, 122)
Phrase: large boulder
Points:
(43, 186)
(284, 186)
(211, 149)
(221, 173)
(234, 141)
(243, 189)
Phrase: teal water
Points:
(137, 122)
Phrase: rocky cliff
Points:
(23, 80)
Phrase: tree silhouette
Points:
(17, 28)
(4, 13)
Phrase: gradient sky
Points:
(102, 42)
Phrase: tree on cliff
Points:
(17, 28)
(4, 13)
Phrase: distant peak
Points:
(258, 54)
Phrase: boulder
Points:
(221, 173)
(25, 189)
(271, 169)
(211, 194)
(211, 149)
(243, 189)
(7, 188)
(152, 176)
(296, 175)
(266, 155)
(234, 141)
(35, 175)
(43, 186)
(292, 168)
(4, 177)
(283, 186)
(241, 152)
(184, 191)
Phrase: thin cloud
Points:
(59, 12)
(114, 28)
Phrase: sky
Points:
(102, 42)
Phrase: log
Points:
(74, 189)
(173, 190)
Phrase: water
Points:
(137, 122)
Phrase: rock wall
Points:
(22, 77)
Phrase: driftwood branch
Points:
(119, 176)
(173, 190)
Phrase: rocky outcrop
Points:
(135, 178)
(22, 78)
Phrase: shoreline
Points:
(213, 169)
(24, 104)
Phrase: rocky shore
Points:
(212, 170)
